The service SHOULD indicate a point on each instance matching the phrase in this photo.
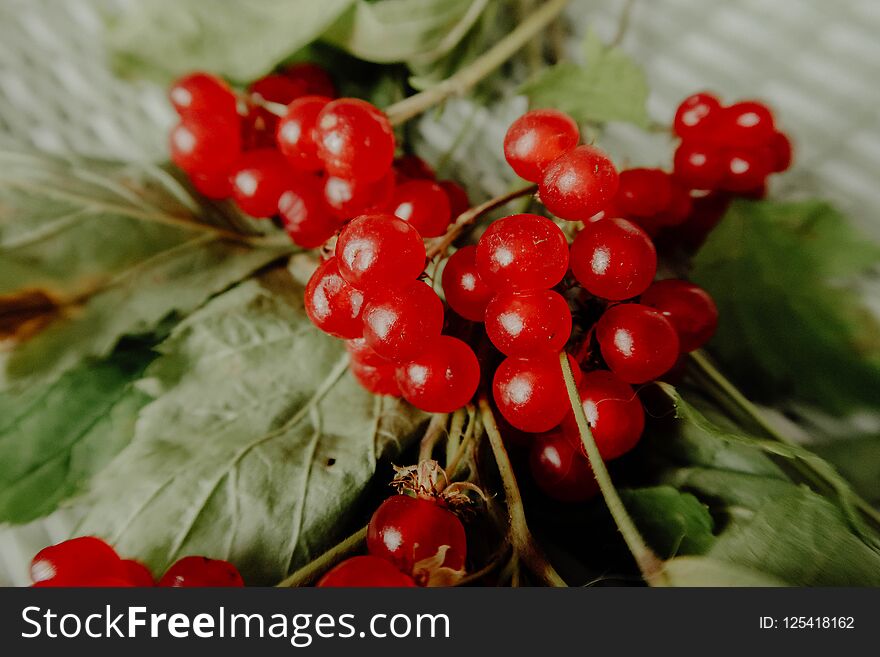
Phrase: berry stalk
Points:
(312, 571)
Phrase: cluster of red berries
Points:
(322, 162)
(413, 538)
(89, 561)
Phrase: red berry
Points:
(780, 146)
(215, 185)
(613, 259)
(537, 138)
(643, 192)
(613, 411)
(138, 574)
(277, 88)
(305, 216)
(200, 95)
(678, 208)
(348, 198)
(698, 165)
(412, 167)
(201, 572)
(424, 205)
(637, 342)
(365, 572)
(76, 562)
(311, 78)
(380, 251)
(688, 307)
(696, 115)
(744, 124)
(295, 133)
(579, 183)
(458, 197)
(205, 145)
(465, 290)
(405, 530)
(745, 169)
(528, 323)
(355, 139)
(530, 392)
(259, 178)
(560, 469)
(441, 379)
(258, 128)
(401, 323)
(522, 252)
(376, 374)
(333, 305)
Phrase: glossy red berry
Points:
(401, 323)
(348, 198)
(355, 139)
(458, 197)
(295, 133)
(311, 78)
(412, 167)
(780, 147)
(305, 216)
(560, 469)
(406, 530)
(424, 205)
(205, 146)
(441, 379)
(537, 138)
(744, 124)
(201, 572)
(277, 88)
(689, 307)
(698, 165)
(376, 374)
(215, 185)
(522, 252)
(333, 305)
(745, 169)
(380, 251)
(696, 115)
(76, 562)
(259, 178)
(530, 392)
(365, 572)
(465, 290)
(637, 342)
(138, 574)
(613, 411)
(199, 95)
(579, 183)
(613, 259)
(678, 209)
(528, 323)
(643, 192)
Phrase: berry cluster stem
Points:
(312, 571)
(650, 565)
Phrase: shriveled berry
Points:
(138, 574)
(560, 469)
(365, 572)
(442, 378)
(259, 178)
(522, 252)
(76, 562)
(643, 192)
(637, 342)
(311, 78)
(613, 259)
(406, 530)
(745, 169)
(537, 138)
(579, 183)
(698, 165)
(744, 124)
(205, 145)
(200, 95)
(376, 374)
(305, 216)
(401, 323)
(355, 139)
(424, 205)
(348, 198)
(201, 572)
(696, 115)
(528, 323)
(465, 290)
(380, 251)
(530, 392)
(295, 133)
(333, 305)
(458, 197)
(689, 307)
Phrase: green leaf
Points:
(705, 571)
(92, 251)
(672, 522)
(259, 443)
(792, 326)
(54, 437)
(401, 30)
(609, 86)
(858, 459)
(239, 40)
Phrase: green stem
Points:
(432, 436)
(650, 565)
(470, 75)
(453, 440)
(313, 570)
(520, 536)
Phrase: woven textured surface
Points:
(816, 62)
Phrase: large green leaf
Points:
(240, 40)
(792, 326)
(92, 251)
(259, 443)
(705, 571)
(54, 437)
(609, 86)
(671, 521)
(858, 459)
